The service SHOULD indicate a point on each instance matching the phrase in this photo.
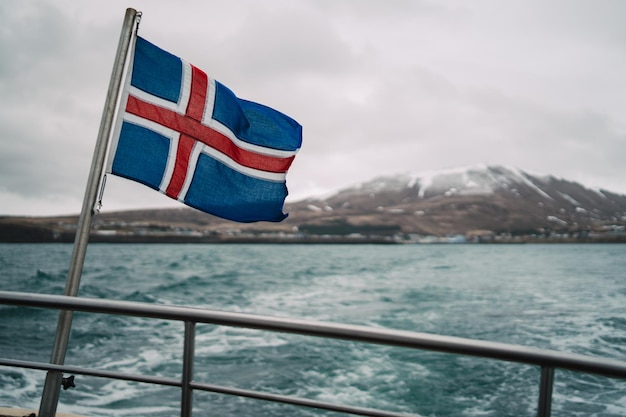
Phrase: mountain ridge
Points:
(429, 178)
(451, 201)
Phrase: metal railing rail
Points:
(547, 360)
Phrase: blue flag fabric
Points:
(189, 137)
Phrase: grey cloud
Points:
(281, 44)
(379, 87)
(32, 35)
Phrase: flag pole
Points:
(52, 385)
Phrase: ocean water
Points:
(570, 298)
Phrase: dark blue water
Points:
(565, 297)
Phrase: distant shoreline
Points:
(313, 240)
(63, 230)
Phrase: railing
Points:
(546, 359)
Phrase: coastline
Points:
(34, 230)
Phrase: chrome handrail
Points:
(548, 360)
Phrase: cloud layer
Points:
(379, 87)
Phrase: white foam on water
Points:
(24, 395)
(227, 340)
(112, 392)
(338, 387)
(480, 407)
(363, 377)
(618, 407)
(106, 400)
(94, 411)
(126, 363)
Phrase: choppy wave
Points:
(564, 297)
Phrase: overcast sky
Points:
(380, 87)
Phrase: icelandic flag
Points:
(189, 137)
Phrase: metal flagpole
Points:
(50, 396)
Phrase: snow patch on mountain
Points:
(557, 220)
(477, 179)
(524, 179)
(599, 192)
(569, 198)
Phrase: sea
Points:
(564, 297)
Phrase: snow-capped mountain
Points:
(498, 199)
(472, 180)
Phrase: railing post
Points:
(188, 358)
(544, 408)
